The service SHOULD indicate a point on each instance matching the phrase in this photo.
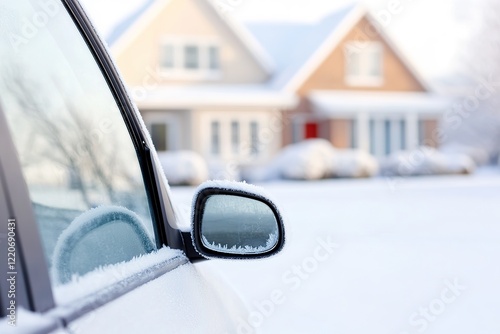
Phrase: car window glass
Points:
(77, 156)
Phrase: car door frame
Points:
(161, 206)
(167, 231)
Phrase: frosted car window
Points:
(75, 150)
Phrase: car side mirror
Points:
(235, 221)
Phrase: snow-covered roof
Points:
(140, 19)
(292, 45)
(335, 103)
(298, 49)
(217, 96)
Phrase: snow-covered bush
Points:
(427, 161)
(224, 171)
(315, 159)
(479, 155)
(354, 164)
(308, 160)
(184, 167)
(459, 163)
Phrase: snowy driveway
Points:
(365, 257)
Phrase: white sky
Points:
(431, 33)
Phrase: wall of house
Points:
(340, 133)
(330, 75)
(139, 58)
(179, 126)
(269, 134)
(429, 132)
(290, 119)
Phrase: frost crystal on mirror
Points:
(270, 243)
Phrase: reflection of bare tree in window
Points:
(68, 134)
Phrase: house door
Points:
(311, 130)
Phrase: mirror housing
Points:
(235, 221)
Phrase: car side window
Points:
(77, 156)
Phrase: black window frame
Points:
(160, 207)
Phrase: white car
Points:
(89, 239)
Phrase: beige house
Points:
(200, 81)
(239, 93)
(355, 88)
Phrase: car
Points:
(90, 241)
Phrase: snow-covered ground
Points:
(378, 256)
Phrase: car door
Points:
(97, 244)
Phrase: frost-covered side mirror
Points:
(236, 221)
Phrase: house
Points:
(237, 94)
(355, 88)
(200, 81)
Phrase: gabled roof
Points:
(122, 27)
(299, 49)
(122, 35)
(292, 44)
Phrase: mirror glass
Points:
(238, 225)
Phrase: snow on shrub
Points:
(354, 164)
(315, 159)
(459, 164)
(428, 161)
(184, 167)
(308, 160)
(479, 155)
(223, 171)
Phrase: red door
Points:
(311, 130)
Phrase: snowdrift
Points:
(428, 161)
(184, 167)
(315, 159)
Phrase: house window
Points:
(191, 57)
(373, 147)
(213, 58)
(364, 64)
(159, 135)
(297, 133)
(167, 60)
(254, 138)
(235, 137)
(354, 134)
(402, 126)
(215, 138)
(388, 137)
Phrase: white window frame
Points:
(364, 50)
(179, 71)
